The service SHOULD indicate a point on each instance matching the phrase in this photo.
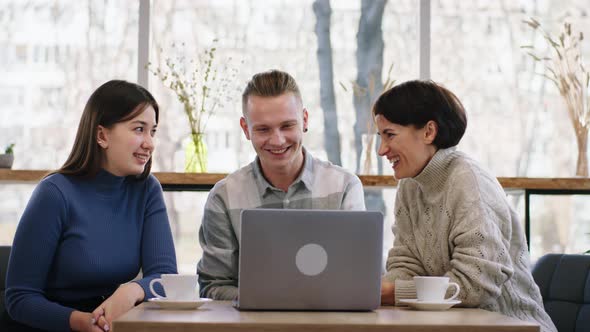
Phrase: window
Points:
(93, 37)
(54, 54)
(518, 123)
(258, 36)
(21, 53)
(515, 114)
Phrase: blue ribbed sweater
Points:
(81, 238)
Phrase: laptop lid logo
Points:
(311, 259)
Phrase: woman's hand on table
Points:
(122, 300)
(387, 293)
(83, 321)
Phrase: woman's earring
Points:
(304, 130)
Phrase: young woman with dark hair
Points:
(92, 225)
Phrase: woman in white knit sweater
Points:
(452, 217)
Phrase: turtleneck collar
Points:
(434, 175)
(106, 182)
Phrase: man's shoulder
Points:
(329, 178)
(326, 168)
(237, 190)
(241, 176)
(242, 179)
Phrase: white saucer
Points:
(173, 304)
(428, 305)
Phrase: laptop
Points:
(310, 260)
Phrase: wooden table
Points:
(220, 316)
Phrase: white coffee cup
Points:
(178, 287)
(433, 289)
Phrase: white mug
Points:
(433, 289)
(178, 287)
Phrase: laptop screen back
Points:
(310, 259)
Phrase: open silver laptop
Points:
(310, 260)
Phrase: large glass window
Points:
(559, 224)
(185, 213)
(518, 122)
(55, 53)
(13, 203)
(255, 36)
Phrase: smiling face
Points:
(127, 146)
(408, 149)
(275, 127)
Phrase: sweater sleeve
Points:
(403, 262)
(480, 261)
(35, 244)
(157, 246)
(218, 267)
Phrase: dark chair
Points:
(4, 255)
(564, 281)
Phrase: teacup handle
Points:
(457, 289)
(153, 290)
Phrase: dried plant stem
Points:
(582, 164)
(200, 90)
(566, 70)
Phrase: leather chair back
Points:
(4, 255)
(564, 281)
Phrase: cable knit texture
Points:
(453, 219)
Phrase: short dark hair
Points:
(417, 102)
(271, 83)
(113, 102)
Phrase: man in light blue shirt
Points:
(284, 175)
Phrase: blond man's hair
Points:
(270, 83)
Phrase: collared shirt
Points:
(321, 185)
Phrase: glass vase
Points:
(196, 154)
